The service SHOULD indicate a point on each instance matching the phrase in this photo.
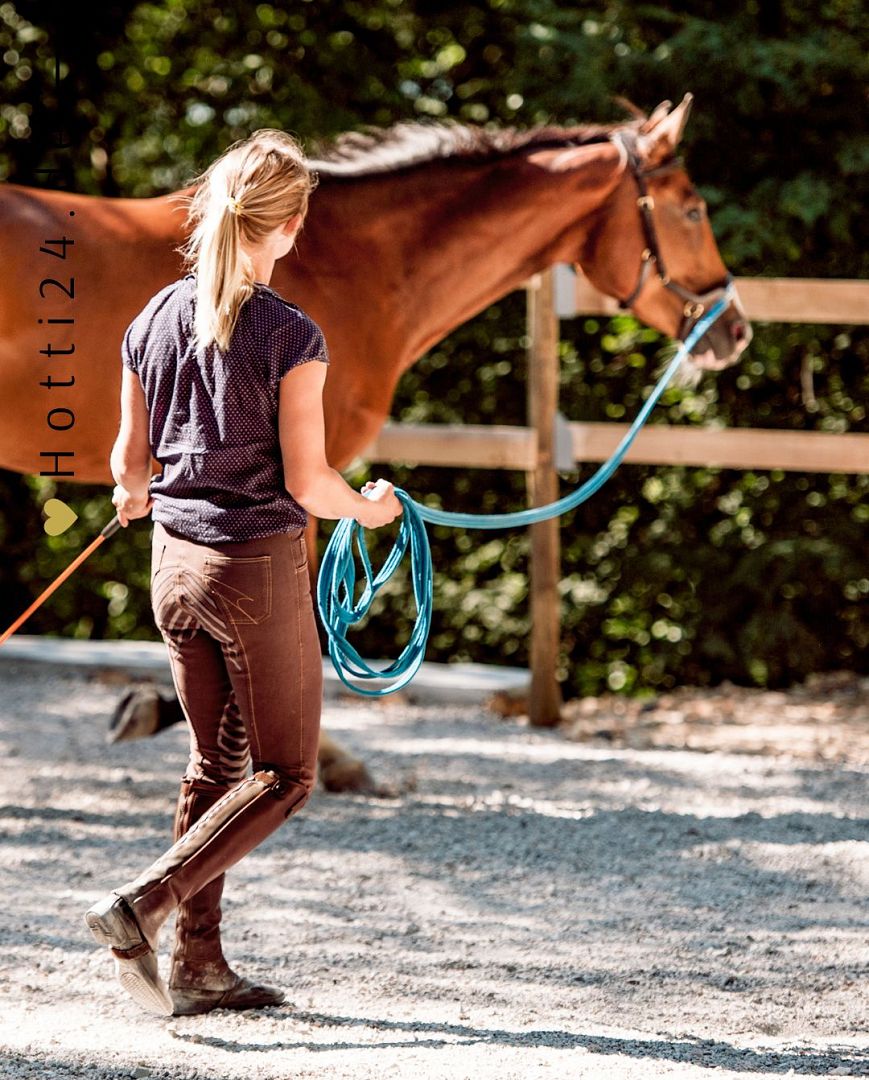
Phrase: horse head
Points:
(654, 249)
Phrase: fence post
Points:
(545, 703)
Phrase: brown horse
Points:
(412, 231)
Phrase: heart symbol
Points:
(58, 517)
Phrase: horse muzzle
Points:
(727, 338)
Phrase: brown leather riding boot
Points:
(197, 920)
(129, 920)
(200, 978)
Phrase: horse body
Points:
(387, 266)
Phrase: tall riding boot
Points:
(200, 978)
(129, 919)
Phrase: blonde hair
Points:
(255, 186)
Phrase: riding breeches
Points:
(238, 621)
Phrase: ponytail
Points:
(254, 187)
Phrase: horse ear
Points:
(656, 117)
(659, 140)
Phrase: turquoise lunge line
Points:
(337, 580)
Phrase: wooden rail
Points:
(791, 300)
(483, 446)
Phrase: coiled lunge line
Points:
(337, 579)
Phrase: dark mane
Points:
(407, 144)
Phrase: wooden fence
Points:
(549, 444)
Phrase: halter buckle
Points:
(693, 310)
(646, 202)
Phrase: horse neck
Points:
(445, 241)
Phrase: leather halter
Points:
(693, 304)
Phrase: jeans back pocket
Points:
(242, 585)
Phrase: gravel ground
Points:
(531, 905)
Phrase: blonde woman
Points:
(223, 384)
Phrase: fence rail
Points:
(499, 446)
(790, 300)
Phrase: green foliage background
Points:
(670, 575)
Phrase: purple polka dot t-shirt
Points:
(214, 414)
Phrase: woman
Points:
(219, 386)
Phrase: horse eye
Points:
(694, 214)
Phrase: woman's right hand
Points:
(382, 504)
(131, 505)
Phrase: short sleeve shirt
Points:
(213, 414)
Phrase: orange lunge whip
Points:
(108, 531)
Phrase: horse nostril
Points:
(739, 331)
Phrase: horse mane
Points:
(408, 144)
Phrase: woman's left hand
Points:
(131, 505)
